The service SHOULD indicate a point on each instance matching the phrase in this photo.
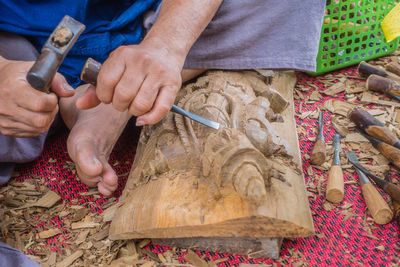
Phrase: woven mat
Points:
(341, 239)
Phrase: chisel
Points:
(390, 188)
(383, 85)
(377, 206)
(335, 185)
(318, 154)
(365, 70)
(373, 127)
(92, 68)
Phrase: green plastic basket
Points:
(352, 32)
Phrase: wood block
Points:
(242, 182)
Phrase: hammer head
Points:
(53, 53)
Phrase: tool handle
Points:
(318, 154)
(396, 208)
(393, 67)
(43, 70)
(365, 70)
(373, 127)
(335, 186)
(90, 71)
(383, 85)
(390, 152)
(377, 206)
(393, 191)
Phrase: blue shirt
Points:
(109, 24)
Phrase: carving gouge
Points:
(373, 127)
(365, 70)
(390, 188)
(318, 154)
(92, 68)
(395, 204)
(335, 186)
(53, 53)
(384, 85)
(390, 152)
(377, 206)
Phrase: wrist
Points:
(171, 49)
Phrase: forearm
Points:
(180, 23)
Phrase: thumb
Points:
(60, 86)
(88, 99)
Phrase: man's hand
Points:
(25, 111)
(143, 79)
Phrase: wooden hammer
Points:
(53, 53)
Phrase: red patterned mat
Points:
(340, 240)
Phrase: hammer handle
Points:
(377, 206)
(43, 70)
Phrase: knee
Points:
(21, 150)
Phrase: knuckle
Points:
(123, 93)
(142, 106)
(41, 121)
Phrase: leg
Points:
(94, 133)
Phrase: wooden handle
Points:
(365, 70)
(377, 206)
(90, 71)
(393, 191)
(390, 152)
(384, 85)
(335, 186)
(373, 127)
(396, 207)
(318, 154)
(393, 67)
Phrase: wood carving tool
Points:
(377, 206)
(335, 185)
(365, 70)
(390, 188)
(373, 127)
(383, 85)
(393, 67)
(318, 154)
(390, 152)
(53, 53)
(395, 204)
(91, 70)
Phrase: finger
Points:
(145, 97)
(88, 99)
(41, 121)
(127, 88)
(34, 100)
(162, 105)
(60, 86)
(109, 76)
(12, 128)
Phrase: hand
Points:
(25, 111)
(143, 79)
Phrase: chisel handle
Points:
(377, 206)
(384, 85)
(335, 185)
(373, 127)
(393, 67)
(367, 70)
(318, 154)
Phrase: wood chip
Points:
(108, 214)
(356, 138)
(70, 259)
(194, 259)
(101, 235)
(81, 237)
(342, 108)
(48, 200)
(334, 89)
(49, 233)
(79, 225)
